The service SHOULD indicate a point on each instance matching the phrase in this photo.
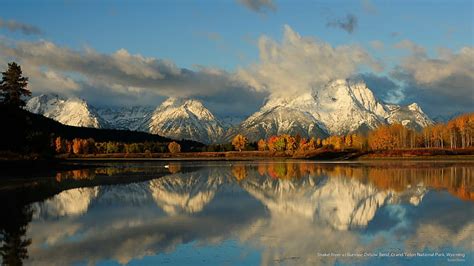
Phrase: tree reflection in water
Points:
(283, 210)
(14, 243)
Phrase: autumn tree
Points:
(59, 145)
(262, 145)
(239, 142)
(381, 139)
(174, 147)
(291, 143)
(358, 141)
(271, 143)
(76, 146)
(13, 86)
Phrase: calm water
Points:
(257, 213)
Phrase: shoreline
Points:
(212, 159)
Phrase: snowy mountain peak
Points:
(71, 111)
(339, 107)
(185, 119)
(414, 107)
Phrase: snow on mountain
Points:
(339, 202)
(72, 202)
(185, 119)
(186, 193)
(229, 121)
(71, 111)
(131, 118)
(340, 107)
(276, 120)
(410, 116)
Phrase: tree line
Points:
(90, 146)
(457, 133)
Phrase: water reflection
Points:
(287, 212)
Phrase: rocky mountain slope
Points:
(132, 118)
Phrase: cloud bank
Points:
(299, 64)
(15, 26)
(94, 75)
(444, 83)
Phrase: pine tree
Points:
(13, 86)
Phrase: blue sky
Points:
(224, 34)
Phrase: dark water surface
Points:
(243, 213)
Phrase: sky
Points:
(233, 54)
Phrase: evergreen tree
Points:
(13, 86)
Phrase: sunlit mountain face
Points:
(290, 213)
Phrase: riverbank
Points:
(320, 154)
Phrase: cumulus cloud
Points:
(14, 26)
(299, 64)
(445, 82)
(260, 6)
(348, 23)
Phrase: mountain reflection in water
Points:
(284, 212)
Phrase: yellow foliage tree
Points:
(262, 145)
(239, 142)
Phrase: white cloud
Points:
(299, 63)
(444, 82)
(430, 71)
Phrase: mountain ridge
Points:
(338, 108)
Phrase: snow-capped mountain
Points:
(71, 111)
(131, 118)
(340, 107)
(410, 116)
(276, 120)
(185, 119)
(174, 118)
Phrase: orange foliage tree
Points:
(174, 147)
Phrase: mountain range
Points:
(340, 107)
